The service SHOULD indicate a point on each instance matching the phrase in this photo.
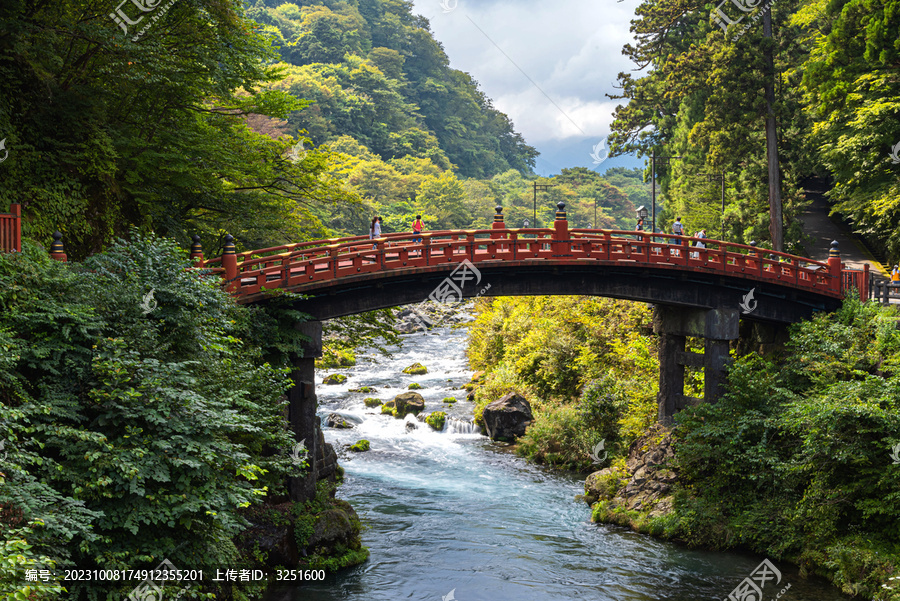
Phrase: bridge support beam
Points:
(302, 404)
(674, 324)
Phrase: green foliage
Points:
(804, 442)
(17, 556)
(336, 358)
(587, 365)
(374, 72)
(158, 130)
(136, 417)
(414, 386)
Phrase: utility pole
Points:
(536, 187)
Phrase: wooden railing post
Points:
(498, 222)
(864, 285)
(229, 263)
(56, 249)
(197, 252)
(834, 266)
(16, 210)
(561, 231)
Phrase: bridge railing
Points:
(11, 229)
(293, 265)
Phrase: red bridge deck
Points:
(310, 266)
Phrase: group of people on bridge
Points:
(678, 230)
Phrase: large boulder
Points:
(507, 418)
(337, 421)
(408, 402)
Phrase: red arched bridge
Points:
(700, 292)
(350, 275)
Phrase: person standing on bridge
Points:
(678, 230)
(418, 226)
(895, 276)
(375, 230)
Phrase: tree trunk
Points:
(776, 225)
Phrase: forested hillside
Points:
(827, 78)
(377, 75)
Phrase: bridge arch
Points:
(702, 292)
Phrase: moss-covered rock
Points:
(334, 379)
(449, 400)
(365, 389)
(372, 402)
(416, 369)
(436, 420)
(336, 358)
(323, 533)
(360, 446)
(415, 386)
(408, 402)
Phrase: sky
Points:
(547, 65)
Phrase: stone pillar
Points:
(671, 376)
(302, 406)
(715, 359)
(674, 324)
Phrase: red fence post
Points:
(498, 222)
(561, 230)
(16, 210)
(229, 263)
(834, 267)
(197, 252)
(56, 249)
(864, 286)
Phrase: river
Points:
(452, 512)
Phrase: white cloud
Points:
(571, 51)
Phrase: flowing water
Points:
(451, 515)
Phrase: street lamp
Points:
(653, 161)
(642, 213)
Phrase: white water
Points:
(452, 511)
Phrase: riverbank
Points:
(450, 511)
(794, 464)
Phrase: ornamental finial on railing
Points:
(499, 215)
(57, 251)
(835, 250)
(197, 252)
(561, 211)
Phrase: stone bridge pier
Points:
(674, 324)
(301, 415)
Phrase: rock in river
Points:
(336, 421)
(408, 402)
(507, 417)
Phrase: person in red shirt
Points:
(418, 226)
